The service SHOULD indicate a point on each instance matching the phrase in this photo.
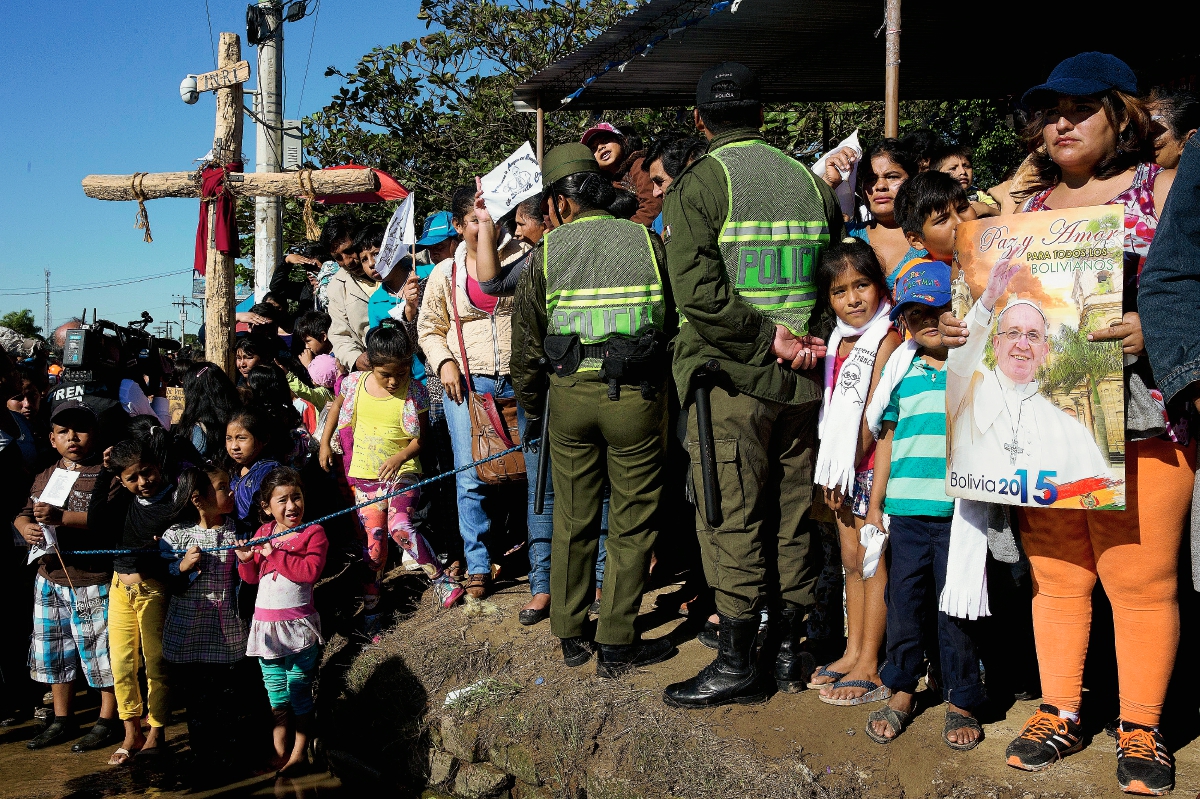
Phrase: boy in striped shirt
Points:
(910, 487)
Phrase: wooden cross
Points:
(226, 81)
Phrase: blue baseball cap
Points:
(438, 228)
(922, 281)
(1082, 75)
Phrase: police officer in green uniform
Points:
(593, 308)
(744, 227)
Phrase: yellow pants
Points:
(135, 630)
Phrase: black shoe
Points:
(732, 677)
(576, 650)
(708, 636)
(57, 731)
(1046, 739)
(104, 732)
(615, 660)
(793, 665)
(1144, 766)
(532, 616)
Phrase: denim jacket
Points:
(1169, 295)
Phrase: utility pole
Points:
(183, 304)
(48, 324)
(268, 154)
(891, 87)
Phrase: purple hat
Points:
(922, 281)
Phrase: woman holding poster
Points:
(1096, 136)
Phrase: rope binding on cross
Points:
(142, 219)
(311, 231)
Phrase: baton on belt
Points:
(708, 458)
(543, 459)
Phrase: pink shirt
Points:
(484, 302)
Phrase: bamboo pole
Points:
(219, 280)
(891, 90)
(541, 131)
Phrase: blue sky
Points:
(93, 87)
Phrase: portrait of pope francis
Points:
(999, 422)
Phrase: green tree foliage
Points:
(1075, 361)
(21, 322)
(437, 110)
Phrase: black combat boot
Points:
(793, 666)
(576, 650)
(616, 659)
(732, 677)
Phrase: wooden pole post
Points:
(891, 90)
(219, 282)
(541, 131)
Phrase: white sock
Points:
(1066, 714)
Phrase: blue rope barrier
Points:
(256, 541)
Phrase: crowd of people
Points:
(669, 322)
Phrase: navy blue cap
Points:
(1082, 75)
(922, 281)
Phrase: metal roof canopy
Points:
(827, 50)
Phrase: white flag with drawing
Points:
(517, 178)
(845, 190)
(398, 239)
(49, 543)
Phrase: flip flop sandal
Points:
(895, 719)
(120, 757)
(957, 721)
(874, 693)
(824, 671)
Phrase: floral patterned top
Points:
(1141, 220)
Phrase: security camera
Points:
(188, 91)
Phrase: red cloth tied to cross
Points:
(212, 185)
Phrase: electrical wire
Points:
(90, 286)
(316, 18)
(211, 41)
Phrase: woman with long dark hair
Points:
(884, 169)
(209, 399)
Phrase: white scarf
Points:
(842, 410)
(893, 373)
(965, 595)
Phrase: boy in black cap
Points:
(70, 614)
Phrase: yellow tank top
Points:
(379, 433)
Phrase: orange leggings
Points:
(1135, 556)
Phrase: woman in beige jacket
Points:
(487, 334)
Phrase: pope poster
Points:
(1036, 411)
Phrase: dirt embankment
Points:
(534, 728)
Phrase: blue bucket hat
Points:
(438, 228)
(1082, 75)
(925, 282)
